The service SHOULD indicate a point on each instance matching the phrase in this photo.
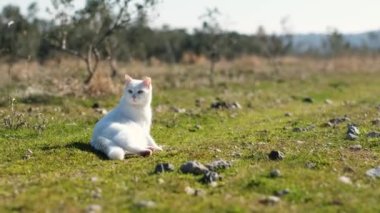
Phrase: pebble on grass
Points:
(193, 167)
(352, 132)
(163, 167)
(274, 173)
(93, 208)
(276, 155)
(210, 177)
(374, 173)
(218, 165)
(145, 204)
(270, 200)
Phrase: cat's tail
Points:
(107, 147)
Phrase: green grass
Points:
(58, 175)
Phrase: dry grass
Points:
(65, 75)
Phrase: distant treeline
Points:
(27, 37)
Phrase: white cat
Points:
(126, 129)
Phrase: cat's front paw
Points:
(146, 153)
(155, 148)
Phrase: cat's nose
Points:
(134, 97)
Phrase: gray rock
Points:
(270, 200)
(355, 147)
(308, 100)
(218, 165)
(282, 192)
(374, 173)
(276, 155)
(288, 114)
(194, 192)
(351, 136)
(193, 167)
(310, 165)
(210, 177)
(274, 173)
(352, 132)
(164, 167)
(145, 204)
(220, 104)
(93, 208)
(373, 135)
(328, 101)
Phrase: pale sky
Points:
(304, 16)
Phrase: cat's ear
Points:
(128, 79)
(147, 82)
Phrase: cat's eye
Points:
(140, 91)
(130, 91)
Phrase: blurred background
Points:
(85, 47)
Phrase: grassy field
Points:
(47, 165)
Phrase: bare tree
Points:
(101, 19)
(211, 27)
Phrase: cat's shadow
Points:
(82, 146)
(86, 147)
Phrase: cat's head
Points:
(138, 92)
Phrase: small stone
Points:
(164, 167)
(310, 165)
(213, 184)
(237, 154)
(328, 101)
(374, 173)
(193, 167)
(270, 200)
(210, 177)
(101, 111)
(145, 204)
(300, 142)
(276, 155)
(161, 181)
(355, 147)
(189, 190)
(218, 165)
(352, 132)
(28, 154)
(179, 110)
(373, 135)
(274, 173)
(345, 179)
(195, 128)
(94, 179)
(288, 114)
(376, 121)
(308, 100)
(93, 208)
(351, 136)
(282, 192)
(220, 104)
(351, 128)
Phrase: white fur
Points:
(126, 129)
